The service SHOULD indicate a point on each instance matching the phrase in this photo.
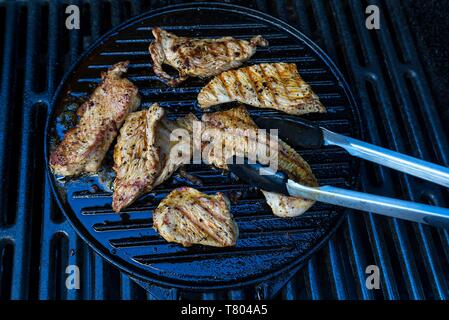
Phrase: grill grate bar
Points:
(262, 224)
(144, 259)
(20, 273)
(360, 261)
(146, 41)
(337, 273)
(6, 81)
(312, 280)
(151, 237)
(86, 195)
(208, 27)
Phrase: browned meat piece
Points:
(269, 85)
(198, 57)
(136, 157)
(222, 125)
(146, 154)
(85, 145)
(187, 216)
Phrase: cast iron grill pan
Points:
(268, 246)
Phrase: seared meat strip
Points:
(136, 157)
(188, 216)
(198, 57)
(85, 145)
(145, 155)
(222, 125)
(269, 85)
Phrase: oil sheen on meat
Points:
(193, 57)
(188, 216)
(269, 85)
(84, 146)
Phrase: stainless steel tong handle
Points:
(412, 211)
(413, 166)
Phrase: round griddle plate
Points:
(268, 246)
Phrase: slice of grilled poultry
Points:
(268, 85)
(146, 155)
(194, 57)
(136, 156)
(188, 216)
(221, 126)
(84, 146)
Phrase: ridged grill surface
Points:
(267, 244)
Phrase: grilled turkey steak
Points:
(136, 156)
(84, 146)
(146, 155)
(194, 57)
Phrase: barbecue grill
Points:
(37, 242)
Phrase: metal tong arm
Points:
(412, 211)
(395, 160)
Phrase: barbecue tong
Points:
(298, 132)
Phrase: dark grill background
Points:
(384, 71)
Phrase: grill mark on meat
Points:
(297, 80)
(242, 48)
(225, 85)
(253, 84)
(238, 83)
(282, 83)
(200, 224)
(214, 91)
(226, 48)
(211, 212)
(268, 84)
